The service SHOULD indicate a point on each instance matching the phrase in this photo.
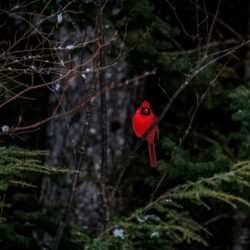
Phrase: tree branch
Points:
(185, 134)
(103, 117)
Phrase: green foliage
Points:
(240, 103)
(167, 222)
(22, 220)
(25, 221)
(16, 162)
(204, 178)
(17, 166)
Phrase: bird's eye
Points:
(145, 111)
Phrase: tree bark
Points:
(63, 133)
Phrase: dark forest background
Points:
(73, 175)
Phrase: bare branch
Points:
(179, 21)
(101, 61)
(91, 98)
(212, 27)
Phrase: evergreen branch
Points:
(15, 162)
(178, 226)
(174, 226)
(22, 183)
(196, 190)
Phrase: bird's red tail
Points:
(152, 155)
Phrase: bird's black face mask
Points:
(145, 111)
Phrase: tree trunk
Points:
(64, 135)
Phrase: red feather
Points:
(143, 119)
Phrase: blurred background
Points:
(43, 40)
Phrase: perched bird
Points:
(143, 119)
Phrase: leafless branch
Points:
(180, 22)
(101, 61)
(212, 27)
(91, 98)
(198, 29)
(219, 20)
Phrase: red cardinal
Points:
(143, 119)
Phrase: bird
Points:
(142, 121)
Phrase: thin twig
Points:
(103, 117)
(179, 21)
(212, 27)
(211, 44)
(219, 20)
(68, 205)
(198, 29)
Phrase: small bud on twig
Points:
(5, 128)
